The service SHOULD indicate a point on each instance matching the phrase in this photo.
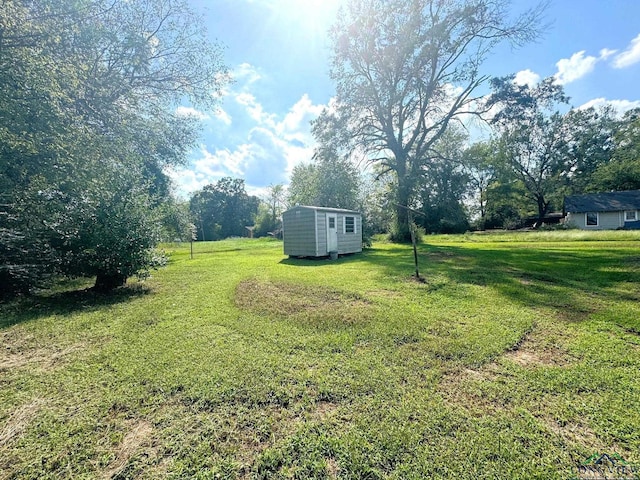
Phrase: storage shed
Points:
(320, 231)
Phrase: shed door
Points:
(332, 232)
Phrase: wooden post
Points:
(412, 229)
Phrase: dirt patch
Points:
(315, 302)
(537, 350)
(575, 433)
(333, 469)
(19, 421)
(323, 410)
(137, 437)
(467, 388)
(19, 350)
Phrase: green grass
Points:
(518, 358)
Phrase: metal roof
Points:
(603, 202)
(325, 209)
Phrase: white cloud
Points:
(605, 53)
(630, 56)
(223, 116)
(246, 73)
(621, 106)
(254, 108)
(191, 112)
(571, 69)
(272, 148)
(300, 114)
(526, 77)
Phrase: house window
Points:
(349, 224)
(591, 219)
(631, 216)
(332, 222)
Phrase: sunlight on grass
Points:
(517, 358)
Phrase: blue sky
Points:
(278, 54)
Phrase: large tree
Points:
(405, 69)
(534, 137)
(87, 127)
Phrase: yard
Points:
(517, 358)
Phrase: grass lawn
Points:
(518, 358)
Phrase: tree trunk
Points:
(402, 232)
(542, 208)
(105, 282)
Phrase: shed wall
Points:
(349, 242)
(299, 232)
(322, 233)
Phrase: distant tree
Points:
(404, 70)
(328, 182)
(443, 186)
(590, 145)
(268, 218)
(223, 209)
(533, 137)
(478, 163)
(622, 172)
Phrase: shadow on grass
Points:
(33, 307)
(568, 279)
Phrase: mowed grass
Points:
(519, 357)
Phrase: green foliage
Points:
(264, 221)
(88, 94)
(268, 220)
(223, 209)
(533, 137)
(623, 171)
(328, 182)
(445, 183)
(617, 175)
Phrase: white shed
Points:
(320, 231)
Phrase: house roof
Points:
(603, 202)
(324, 209)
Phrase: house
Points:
(604, 211)
(319, 231)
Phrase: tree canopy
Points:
(87, 127)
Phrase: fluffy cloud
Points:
(191, 112)
(630, 56)
(526, 77)
(269, 150)
(571, 69)
(621, 106)
(223, 116)
(605, 53)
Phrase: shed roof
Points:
(325, 209)
(603, 202)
